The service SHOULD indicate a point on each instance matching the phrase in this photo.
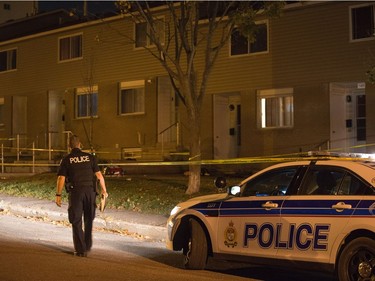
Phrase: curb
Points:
(106, 220)
(141, 230)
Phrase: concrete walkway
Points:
(123, 221)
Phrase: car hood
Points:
(203, 199)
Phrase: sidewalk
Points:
(148, 226)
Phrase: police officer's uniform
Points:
(79, 168)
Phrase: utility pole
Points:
(85, 8)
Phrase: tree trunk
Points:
(194, 179)
(195, 152)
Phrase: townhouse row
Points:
(300, 86)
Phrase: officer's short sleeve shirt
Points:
(78, 166)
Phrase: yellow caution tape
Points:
(320, 155)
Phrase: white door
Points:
(348, 117)
(338, 113)
(227, 126)
(55, 119)
(166, 111)
(19, 120)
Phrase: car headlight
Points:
(175, 210)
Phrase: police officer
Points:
(82, 171)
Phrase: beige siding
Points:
(308, 49)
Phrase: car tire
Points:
(196, 252)
(357, 260)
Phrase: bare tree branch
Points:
(197, 31)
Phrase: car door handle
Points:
(341, 206)
(270, 205)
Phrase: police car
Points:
(316, 214)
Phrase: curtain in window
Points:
(276, 111)
(132, 100)
(82, 105)
(362, 22)
(140, 34)
(76, 46)
(12, 63)
(64, 48)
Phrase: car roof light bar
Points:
(341, 154)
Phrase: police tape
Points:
(238, 161)
(300, 156)
(233, 161)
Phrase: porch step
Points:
(166, 152)
(26, 167)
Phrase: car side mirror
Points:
(234, 190)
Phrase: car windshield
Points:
(275, 182)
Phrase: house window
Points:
(8, 60)
(140, 35)
(362, 22)
(361, 118)
(275, 108)
(240, 45)
(143, 31)
(132, 97)
(86, 102)
(70, 47)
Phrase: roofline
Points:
(62, 29)
(71, 27)
(11, 21)
(92, 22)
(303, 4)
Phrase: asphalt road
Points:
(35, 250)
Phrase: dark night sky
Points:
(94, 7)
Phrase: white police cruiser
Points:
(311, 214)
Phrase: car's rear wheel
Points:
(357, 261)
(196, 251)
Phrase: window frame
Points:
(71, 36)
(86, 91)
(279, 94)
(9, 59)
(249, 52)
(131, 85)
(147, 42)
(344, 183)
(250, 188)
(351, 37)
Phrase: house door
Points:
(166, 111)
(227, 125)
(348, 117)
(55, 119)
(19, 120)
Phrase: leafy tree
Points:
(194, 29)
(371, 74)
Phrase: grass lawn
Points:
(153, 194)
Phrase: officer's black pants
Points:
(82, 203)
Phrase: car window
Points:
(275, 182)
(321, 181)
(332, 181)
(351, 185)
